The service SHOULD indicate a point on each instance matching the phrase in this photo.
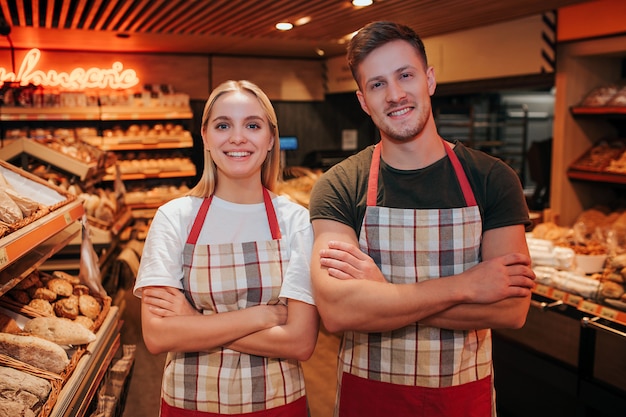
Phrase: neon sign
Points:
(79, 78)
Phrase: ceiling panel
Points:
(238, 27)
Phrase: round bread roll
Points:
(42, 306)
(61, 287)
(42, 293)
(89, 306)
(81, 289)
(84, 321)
(72, 279)
(67, 307)
(20, 296)
(32, 280)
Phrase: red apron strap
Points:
(271, 215)
(199, 221)
(372, 182)
(466, 188)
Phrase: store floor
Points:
(143, 393)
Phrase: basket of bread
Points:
(46, 323)
(587, 259)
(25, 198)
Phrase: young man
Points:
(419, 248)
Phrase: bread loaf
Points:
(35, 351)
(59, 330)
(30, 390)
(10, 408)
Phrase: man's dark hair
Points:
(376, 34)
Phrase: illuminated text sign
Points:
(115, 77)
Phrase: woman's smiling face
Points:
(238, 135)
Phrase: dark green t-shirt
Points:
(340, 194)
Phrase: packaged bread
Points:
(59, 330)
(10, 212)
(35, 351)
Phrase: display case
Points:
(24, 247)
(568, 358)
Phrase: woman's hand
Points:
(167, 302)
(346, 261)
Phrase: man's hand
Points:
(346, 261)
(499, 278)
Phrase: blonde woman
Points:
(225, 274)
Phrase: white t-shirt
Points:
(162, 257)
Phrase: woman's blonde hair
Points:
(271, 166)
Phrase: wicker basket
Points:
(43, 210)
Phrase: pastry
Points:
(42, 306)
(72, 279)
(67, 307)
(89, 306)
(61, 287)
(42, 294)
(84, 321)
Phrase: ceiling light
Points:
(302, 21)
(362, 3)
(284, 26)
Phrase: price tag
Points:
(588, 306)
(68, 218)
(558, 295)
(4, 257)
(608, 313)
(542, 289)
(573, 300)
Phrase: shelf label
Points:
(4, 257)
(574, 300)
(542, 289)
(68, 218)
(608, 313)
(588, 307)
(559, 295)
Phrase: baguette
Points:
(14, 384)
(35, 351)
(59, 330)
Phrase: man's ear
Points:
(359, 96)
(432, 82)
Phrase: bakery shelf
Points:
(582, 304)
(47, 154)
(618, 111)
(22, 241)
(16, 114)
(161, 174)
(596, 176)
(14, 272)
(79, 390)
(144, 113)
(141, 143)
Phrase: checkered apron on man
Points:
(418, 370)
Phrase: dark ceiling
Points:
(238, 27)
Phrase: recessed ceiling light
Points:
(284, 26)
(302, 21)
(362, 3)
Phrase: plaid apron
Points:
(418, 370)
(228, 277)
